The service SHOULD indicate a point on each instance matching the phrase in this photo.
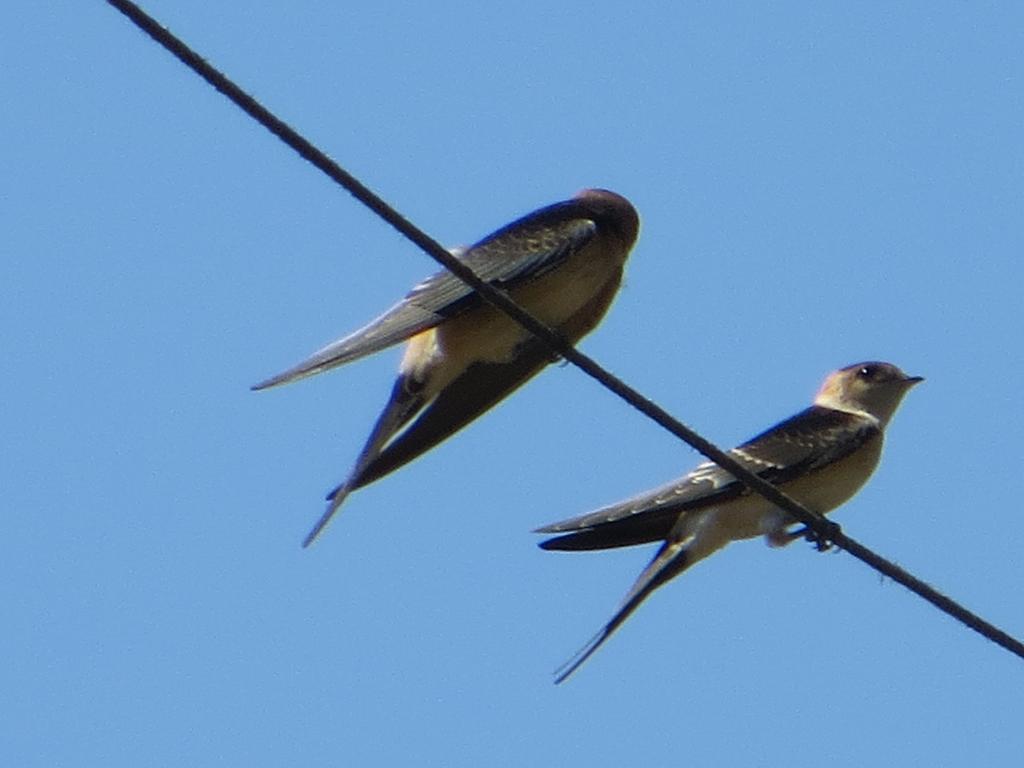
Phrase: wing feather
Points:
(523, 251)
(814, 438)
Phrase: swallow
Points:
(820, 457)
(562, 263)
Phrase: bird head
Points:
(874, 388)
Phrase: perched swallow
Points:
(820, 457)
(562, 263)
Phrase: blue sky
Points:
(818, 185)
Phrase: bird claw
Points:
(822, 543)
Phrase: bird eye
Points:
(868, 372)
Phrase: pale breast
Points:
(820, 491)
(828, 487)
(488, 335)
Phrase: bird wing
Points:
(810, 440)
(525, 250)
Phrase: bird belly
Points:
(821, 491)
(578, 285)
(744, 518)
(825, 489)
(571, 299)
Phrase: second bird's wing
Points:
(813, 438)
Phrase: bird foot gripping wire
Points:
(822, 542)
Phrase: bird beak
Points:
(912, 380)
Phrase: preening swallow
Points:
(562, 263)
(820, 457)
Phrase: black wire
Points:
(824, 530)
